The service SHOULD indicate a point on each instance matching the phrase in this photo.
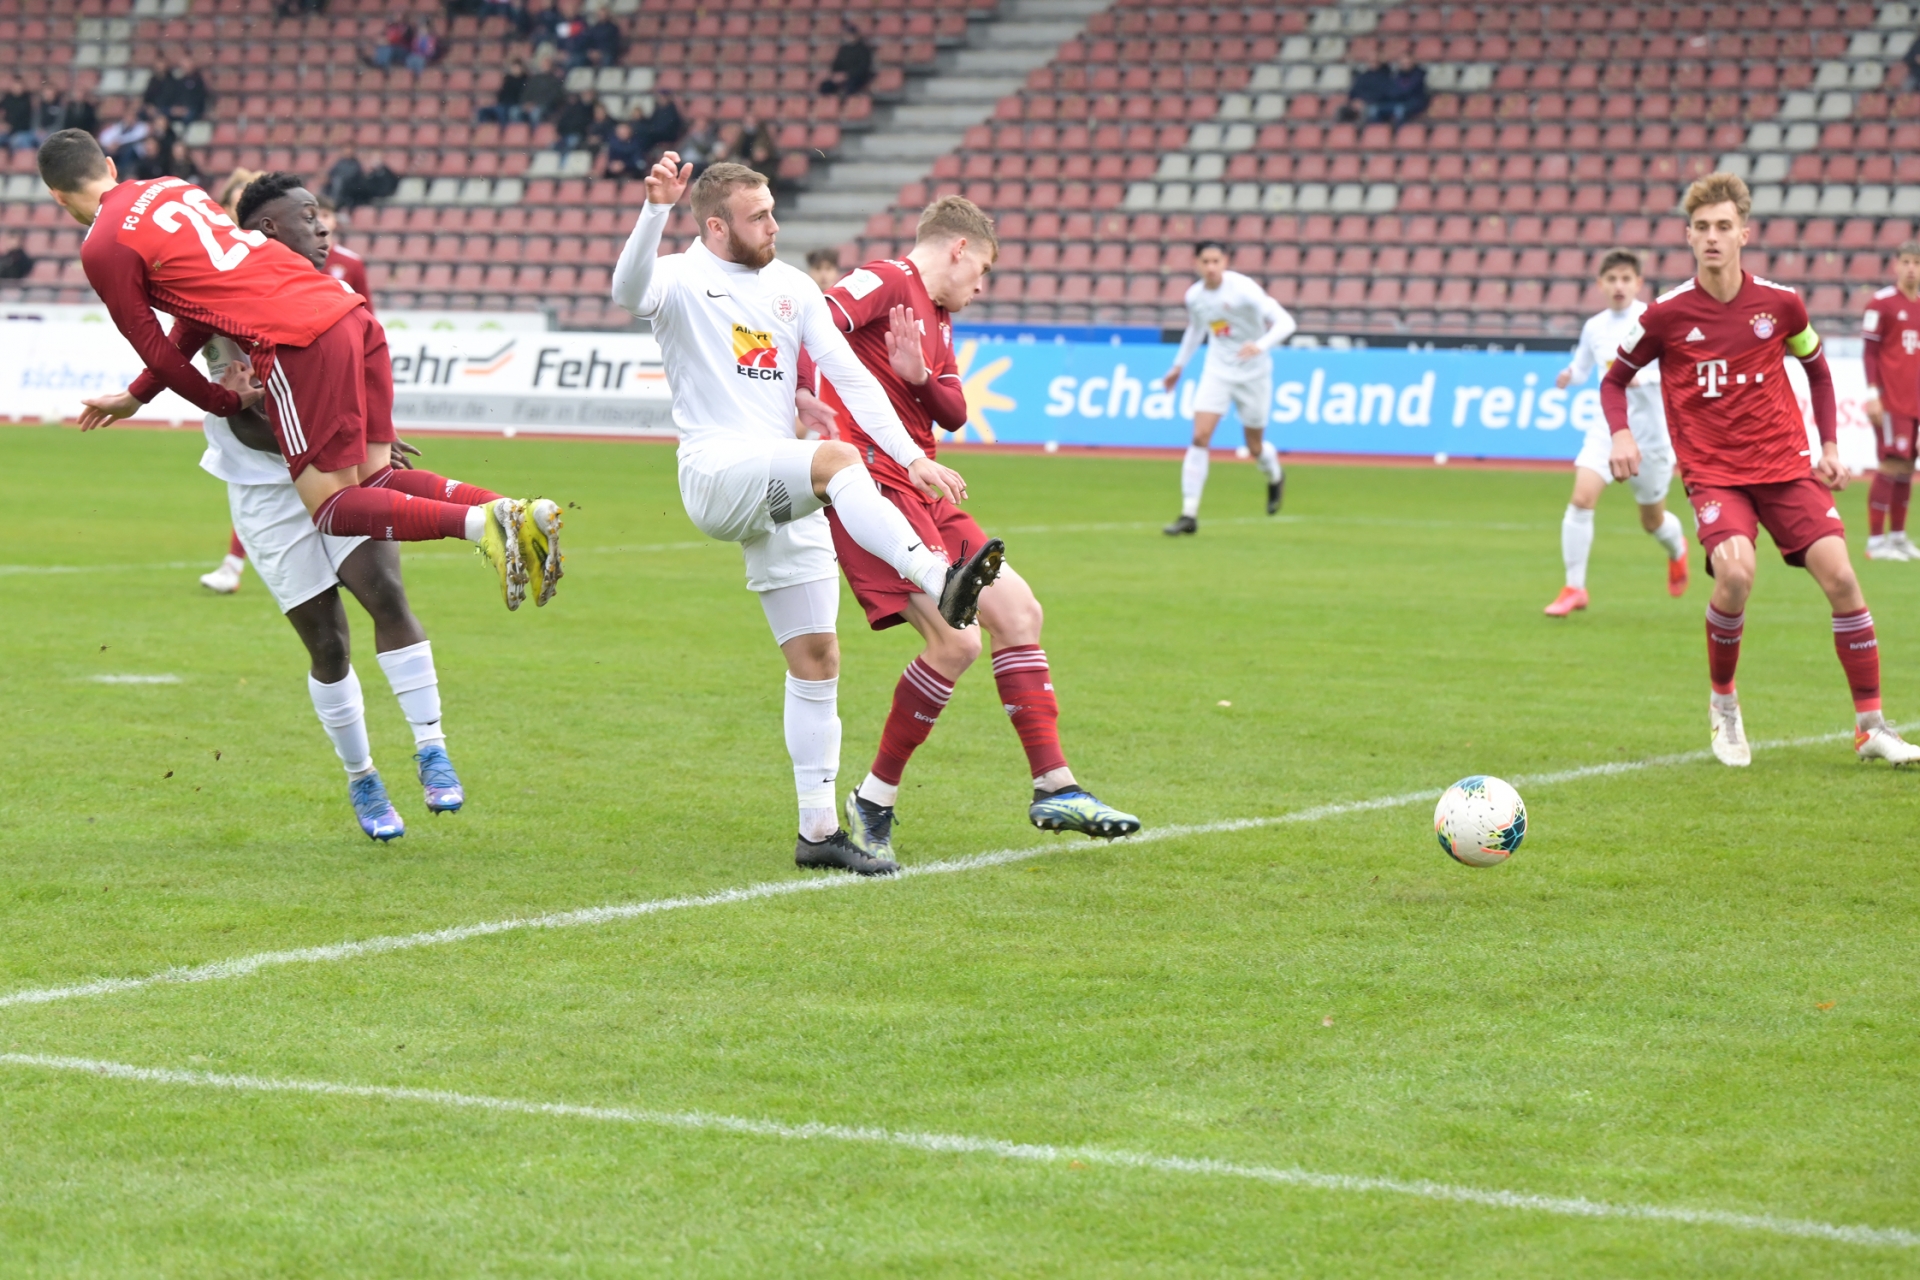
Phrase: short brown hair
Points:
(953, 216)
(70, 159)
(824, 258)
(1908, 249)
(1718, 188)
(713, 187)
(1620, 256)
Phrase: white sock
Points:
(1054, 779)
(1868, 721)
(1193, 480)
(1730, 701)
(233, 564)
(415, 684)
(476, 523)
(1671, 536)
(1576, 543)
(871, 788)
(1270, 462)
(878, 526)
(813, 740)
(343, 714)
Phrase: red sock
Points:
(1026, 691)
(917, 702)
(1902, 490)
(234, 546)
(387, 516)
(1880, 503)
(425, 484)
(1723, 647)
(1860, 654)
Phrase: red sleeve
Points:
(1641, 349)
(1820, 390)
(357, 277)
(187, 337)
(1870, 350)
(119, 276)
(943, 396)
(807, 375)
(867, 294)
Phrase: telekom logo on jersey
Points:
(1712, 374)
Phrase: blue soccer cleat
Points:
(439, 781)
(1072, 809)
(378, 818)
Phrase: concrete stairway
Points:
(908, 137)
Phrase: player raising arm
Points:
(1620, 280)
(1890, 348)
(319, 360)
(731, 320)
(1721, 342)
(897, 318)
(1241, 325)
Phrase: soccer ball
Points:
(1480, 821)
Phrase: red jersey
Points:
(1733, 416)
(861, 305)
(1890, 333)
(348, 267)
(166, 245)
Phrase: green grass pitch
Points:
(1692, 988)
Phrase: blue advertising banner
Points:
(1468, 404)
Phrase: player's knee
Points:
(954, 651)
(331, 652)
(834, 456)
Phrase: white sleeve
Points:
(857, 388)
(1582, 365)
(1189, 341)
(638, 285)
(1280, 322)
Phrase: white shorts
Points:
(1248, 389)
(1656, 463)
(293, 558)
(759, 493)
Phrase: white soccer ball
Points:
(1480, 821)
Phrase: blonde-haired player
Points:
(1619, 278)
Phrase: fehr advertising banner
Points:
(1466, 404)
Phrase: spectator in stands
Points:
(1368, 87)
(294, 8)
(600, 128)
(1912, 64)
(1406, 94)
(852, 69)
(757, 148)
(824, 266)
(48, 112)
(151, 157)
(543, 26)
(626, 155)
(16, 263)
(425, 49)
(505, 108)
(188, 100)
(16, 107)
(516, 14)
(544, 93)
(83, 112)
(396, 42)
(573, 121)
(701, 146)
(187, 165)
(602, 39)
(664, 127)
(158, 95)
(123, 133)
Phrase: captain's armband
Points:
(1804, 343)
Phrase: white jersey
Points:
(730, 337)
(226, 458)
(1600, 340)
(1238, 312)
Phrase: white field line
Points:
(160, 679)
(944, 1143)
(243, 966)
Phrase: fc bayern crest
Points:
(1709, 513)
(1763, 326)
(785, 308)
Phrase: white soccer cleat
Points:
(1900, 542)
(1884, 547)
(226, 579)
(1882, 743)
(1729, 734)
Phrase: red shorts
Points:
(1797, 513)
(331, 398)
(1895, 437)
(883, 593)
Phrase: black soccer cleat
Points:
(1185, 524)
(1276, 491)
(836, 853)
(960, 598)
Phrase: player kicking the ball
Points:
(1721, 342)
(1240, 324)
(897, 317)
(1620, 280)
(731, 320)
(319, 365)
(1890, 333)
(304, 568)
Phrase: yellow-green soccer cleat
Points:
(1072, 809)
(540, 546)
(501, 544)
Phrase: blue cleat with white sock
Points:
(439, 781)
(378, 818)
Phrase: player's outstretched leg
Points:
(225, 579)
(879, 528)
(1859, 652)
(1576, 541)
(539, 532)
